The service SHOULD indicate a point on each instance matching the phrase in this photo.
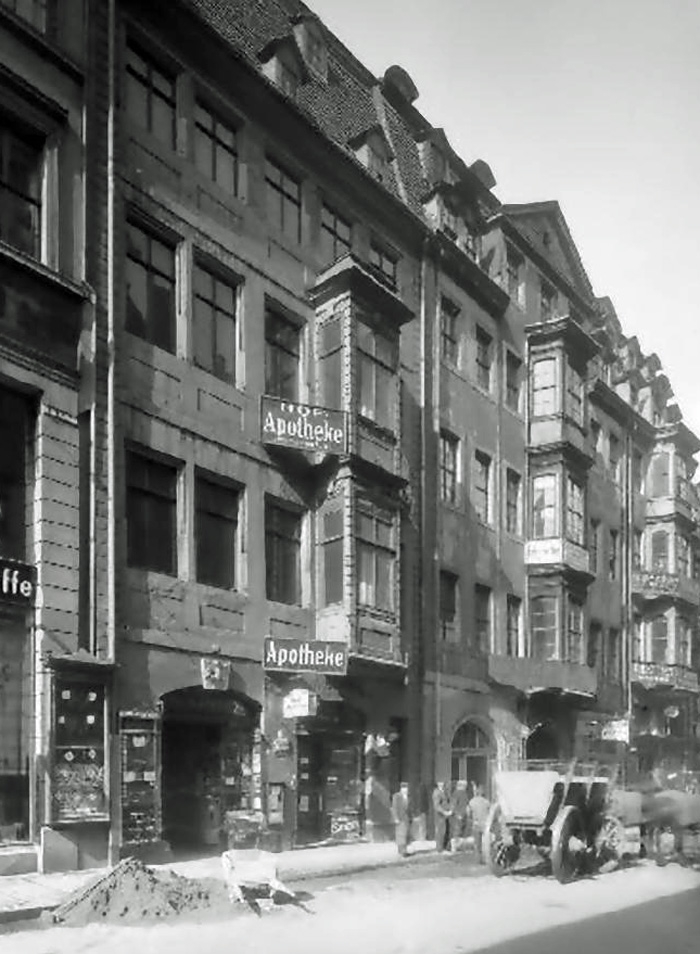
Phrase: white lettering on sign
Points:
(17, 582)
(300, 425)
(304, 655)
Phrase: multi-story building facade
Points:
(353, 477)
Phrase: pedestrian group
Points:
(458, 814)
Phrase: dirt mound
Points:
(132, 891)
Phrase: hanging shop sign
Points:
(216, 673)
(305, 655)
(299, 704)
(302, 426)
(617, 730)
(17, 582)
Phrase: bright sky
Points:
(595, 103)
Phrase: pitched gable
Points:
(544, 227)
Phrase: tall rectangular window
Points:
(283, 201)
(214, 324)
(545, 506)
(593, 536)
(660, 473)
(595, 635)
(150, 288)
(216, 529)
(682, 556)
(484, 358)
(574, 633)
(449, 450)
(282, 356)
(151, 514)
(548, 301)
(684, 642)
(215, 151)
(614, 555)
(336, 235)
(383, 263)
(282, 553)
(377, 384)
(659, 639)
(514, 276)
(574, 395)
(614, 655)
(448, 606)
(514, 621)
(15, 440)
(514, 374)
(482, 618)
(376, 555)
(513, 502)
(615, 455)
(481, 496)
(545, 388)
(659, 551)
(150, 96)
(574, 512)
(449, 332)
(332, 530)
(21, 166)
(543, 627)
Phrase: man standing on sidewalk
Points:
(402, 818)
(442, 809)
(479, 810)
(460, 814)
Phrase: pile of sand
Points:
(132, 891)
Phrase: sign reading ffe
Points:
(17, 582)
(305, 655)
(302, 426)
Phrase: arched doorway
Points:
(207, 763)
(471, 754)
(542, 743)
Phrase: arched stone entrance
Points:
(208, 764)
(472, 752)
(542, 743)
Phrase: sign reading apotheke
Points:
(305, 655)
(17, 582)
(300, 425)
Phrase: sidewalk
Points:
(26, 896)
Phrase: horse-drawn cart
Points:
(571, 814)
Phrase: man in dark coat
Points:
(442, 809)
(402, 818)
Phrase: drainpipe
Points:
(627, 611)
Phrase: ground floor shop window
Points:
(15, 728)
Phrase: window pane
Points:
(333, 571)
(203, 330)
(151, 514)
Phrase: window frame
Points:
(575, 629)
(513, 389)
(547, 508)
(373, 547)
(336, 239)
(450, 338)
(17, 136)
(546, 397)
(483, 621)
(217, 142)
(449, 467)
(145, 535)
(448, 621)
(575, 511)
(377, 357)
(483, 467)
(281, 586)
(232, 284)
(514, 647)
(228, 581)
(550, 641)
(514, 509)
(284, 352)
(483, 358)
(151, 233)
(548, 300)
(383, 263)
(288, 192)
(150, 89)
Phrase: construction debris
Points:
(132, 891)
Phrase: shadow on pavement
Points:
(669, 925)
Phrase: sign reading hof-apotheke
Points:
(305, 655)
(302, 426)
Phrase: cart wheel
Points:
(609, 843)
(500, 851)
(568, 844)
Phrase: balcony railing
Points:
(650, 674)
(651, 584)
(529, 674)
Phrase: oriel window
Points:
(545, 388)
(545, 506)
(543, 627)
(376, 556)
(377, 384)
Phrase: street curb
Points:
(33, 912)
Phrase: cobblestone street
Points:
(429, 907)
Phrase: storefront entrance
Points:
(330, 776)
(207, 765)
(15, 725)
(471, 753)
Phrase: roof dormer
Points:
(310, 35)
(283, 63)
(372, 149)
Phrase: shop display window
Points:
(79, 789)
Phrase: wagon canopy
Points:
(524, 797)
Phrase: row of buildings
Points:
(323, 467)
